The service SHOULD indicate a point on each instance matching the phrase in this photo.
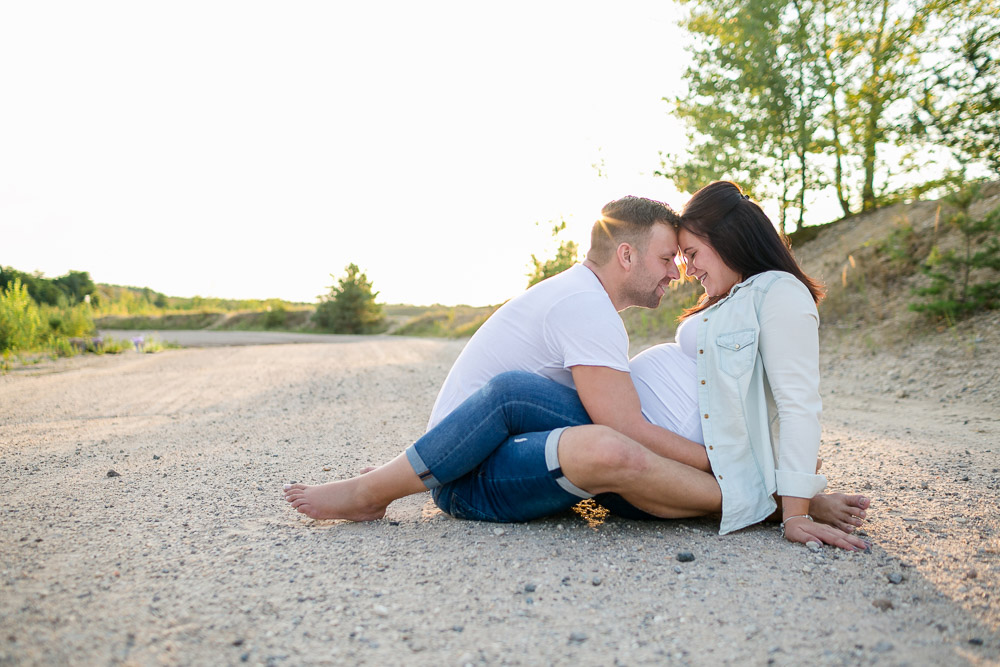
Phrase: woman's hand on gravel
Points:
(802, 530)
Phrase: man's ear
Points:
(625, 254)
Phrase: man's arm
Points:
(611, 400)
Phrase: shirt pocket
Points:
(737, 351)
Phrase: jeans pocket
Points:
(737, 351)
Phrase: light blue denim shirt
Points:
(758, 393)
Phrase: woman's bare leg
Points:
(362, 498)
(601, 460)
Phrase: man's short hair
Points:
(627, 220)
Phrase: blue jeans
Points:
(494, 457)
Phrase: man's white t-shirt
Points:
(564, 321)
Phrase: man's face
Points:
(653, 268)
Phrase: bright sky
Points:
(250, 149)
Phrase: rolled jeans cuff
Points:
(419, 467)
(552, 463)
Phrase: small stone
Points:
(883, 647)
(458, 628)
(814, 546)
(895, 578)
(380, 610)
(156, 457)
(326, 468)
(530, 588)
(596, 581)
(976, 641)
(807, 569)
(112, 473)
(678, 569)
(882, 604)
(685, 556)
(971, 574)
(498, 531)
(577, 638)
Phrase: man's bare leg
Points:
(600, 460)
(362, 498)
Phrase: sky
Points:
(252, 149)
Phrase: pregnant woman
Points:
(742, 378)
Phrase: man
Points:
(567, 327)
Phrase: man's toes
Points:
(864, 502)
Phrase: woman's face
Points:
(705, 264)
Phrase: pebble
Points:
(806, 569)
(883, 647)
(380, 610)
(530, 588)
(596, 581)
(112, 473)
(577, 638)
(814, 546)
(976, 641)
(498, 531)
(895, 578)
(685, 556)
(882, 604)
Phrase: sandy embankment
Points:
(190, 556)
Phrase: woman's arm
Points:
(789, 349)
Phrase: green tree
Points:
(959, 277)
(566, 256)
(958, 103)
(791, 97)
(350, 306)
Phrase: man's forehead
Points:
(664, 236)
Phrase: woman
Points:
(748, 351)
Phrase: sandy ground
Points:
(188, 555)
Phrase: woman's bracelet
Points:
(797, 516)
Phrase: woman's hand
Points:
(802, 529)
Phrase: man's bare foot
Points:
(839, 510)
(334, 500)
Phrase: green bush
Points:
(21, 325)
(962, 280)
(69, 322)
(350, 306)
(566, 255)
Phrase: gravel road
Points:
(142, 523)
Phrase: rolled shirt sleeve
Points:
(789, 349)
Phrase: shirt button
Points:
(720, 476)
(706, 415)
(701, 351)
(737, 346)
(711, 447)
(703, 382)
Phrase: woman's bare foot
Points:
(334, 500)
(839, 510)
